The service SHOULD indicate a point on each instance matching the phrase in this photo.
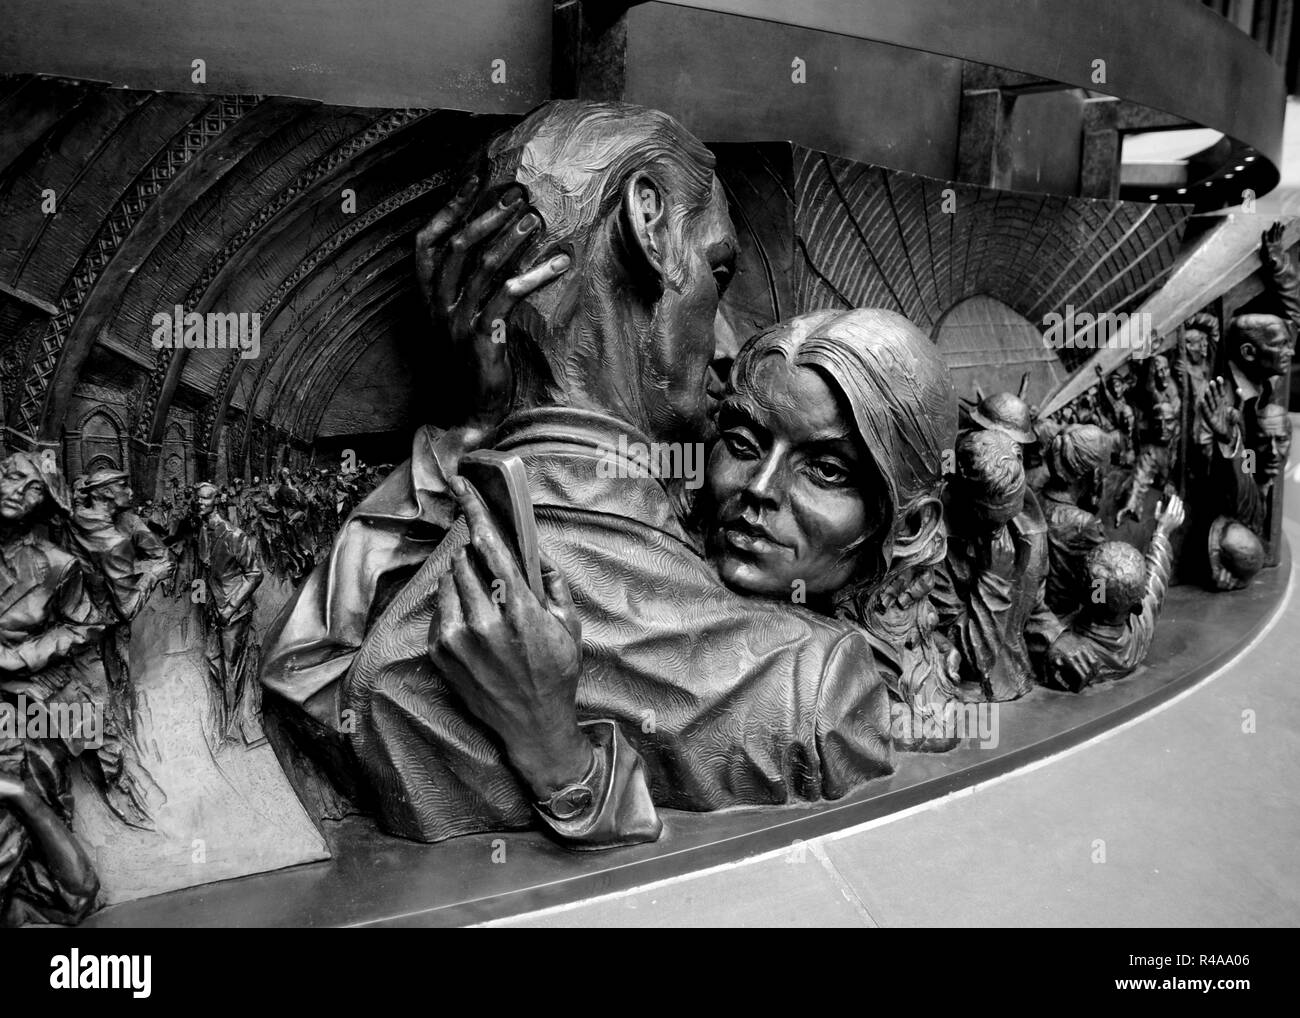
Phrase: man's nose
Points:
(726, 344)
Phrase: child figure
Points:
(1126, 592)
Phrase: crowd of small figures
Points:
(292, 517)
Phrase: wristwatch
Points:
(575, 798)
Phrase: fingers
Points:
(516, 289)
(464, 243)
(496, 256)
(477, 605)
(559, 599)
(486, 538)
(451, 617)
(437, 229)
(429, 241)
(554, 583)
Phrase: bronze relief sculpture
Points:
(48, 628)
(769, 565)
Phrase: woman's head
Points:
(23, 489)
(829, 459)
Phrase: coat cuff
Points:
(621, 812)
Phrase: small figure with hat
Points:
(1076, 459)
(990, 590)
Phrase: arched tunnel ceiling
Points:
(301, 213)
(237, 204)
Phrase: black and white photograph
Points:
(781, 464)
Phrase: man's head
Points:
(1009, 414)
(990, 478)
(205, 498)
(1159, 377)
(1163, 425)
(1199, 332)
(22, 488)
(631, 197)
(1119, 382)
(1236, 554)
(109, 487)
(1273, 442)
(1260, 346)
(1117, 579)
(1076, 458)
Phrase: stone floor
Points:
(1186, 816)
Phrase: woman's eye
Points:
(829, 472)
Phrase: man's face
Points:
(206, 500)
(1160, 371)
(682, 342)
(1119, 385)
(21, 489)
(119, 493)
(1197, 345)
(1265, 350)
(1164, 424)
(1273, 444)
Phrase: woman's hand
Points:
(514, 661)
(460, 268)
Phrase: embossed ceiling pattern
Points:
(235, 203)
(869, 237)
(214, 203)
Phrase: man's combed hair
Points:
(1204, 322)
(1117, 576)
(574, 158)
(1248, 327)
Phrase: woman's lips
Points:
(749, 538)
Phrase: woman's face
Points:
(787, 480)
(21, 489)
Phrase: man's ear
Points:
(645, 217)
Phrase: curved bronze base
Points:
(374, 879)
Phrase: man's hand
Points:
(1129, 511)
(1071, 663)
(1170, 515)
(514, 661)
(998, 554)
(1219, 411)
(1272, 251)
(460, 268)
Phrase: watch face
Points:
(571, 801)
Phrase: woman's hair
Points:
(900, 396)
